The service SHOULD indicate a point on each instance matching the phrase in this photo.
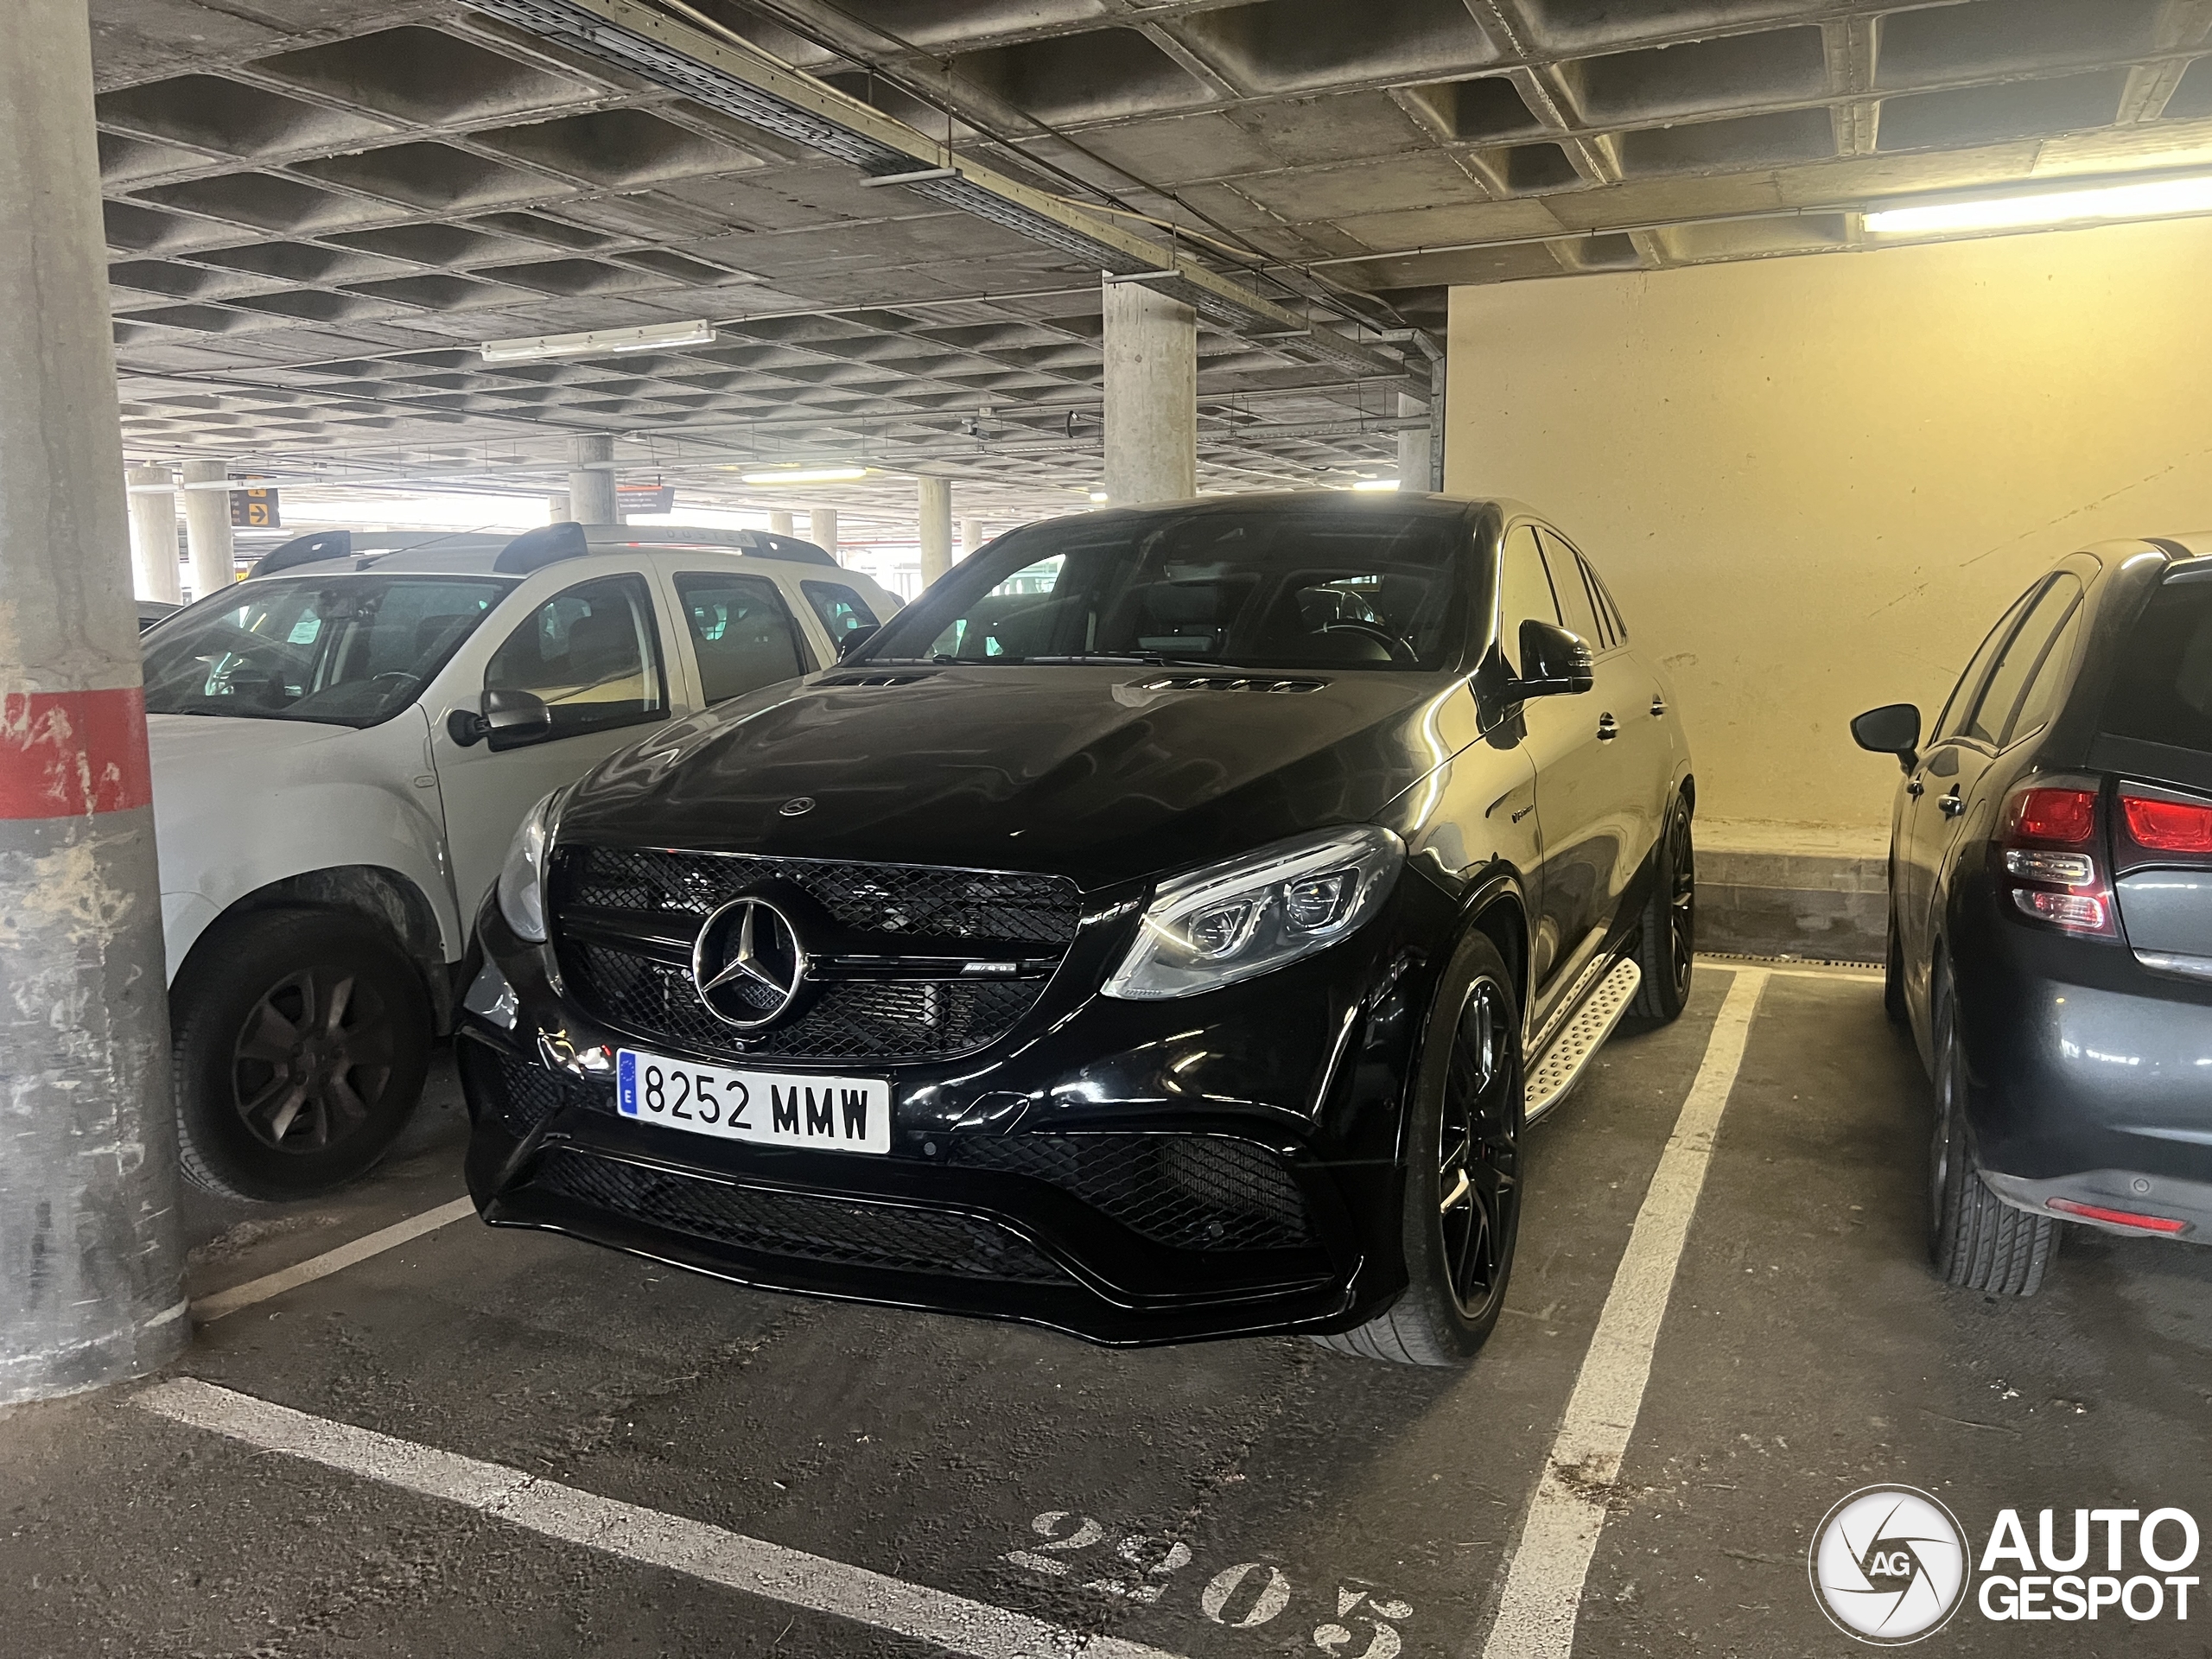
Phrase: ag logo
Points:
(1889, 1565)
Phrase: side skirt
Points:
(1569, 1053)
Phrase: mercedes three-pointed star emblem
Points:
(747, 964)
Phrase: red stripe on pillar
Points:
(65, 754)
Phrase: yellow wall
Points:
(1813, 483)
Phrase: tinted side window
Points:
(1961, 701)
(592, 653)
(1524, 591)
(740, 631)
(2008, 680)
(1575, 607)
(2047, 685)
(842, 610)
(2164, 693)
(1606, 602)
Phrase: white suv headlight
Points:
(522, 878)
(1253, 914)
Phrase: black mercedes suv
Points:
(1163, 928)
(2050, 914)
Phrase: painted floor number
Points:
(1241, 1597)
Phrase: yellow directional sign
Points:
(255, 509)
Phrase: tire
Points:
(240, 1038)
(1893, 1002)
(1666, 947)
(1469, 1110)
(1975, 1241)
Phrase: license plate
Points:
(775, 1108)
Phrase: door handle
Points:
(1915, 788)
(1658, 705)
(1608, 729)
(1951, 804)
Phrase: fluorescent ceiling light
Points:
(807, 475)
(1098, 495)
(918, 175)
(2150, 199)
(652, 337)
(1377, 484)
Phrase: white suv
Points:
(343, 746)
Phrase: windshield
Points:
(350, 651)
(1320, 587)
(2163, 691)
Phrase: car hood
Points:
(183, 744)
(1079, 770)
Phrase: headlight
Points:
(1253, 914)
(522, 878)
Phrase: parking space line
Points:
(1786, 969)
(791, 1577)
(210, 1308)
(1551, 1561)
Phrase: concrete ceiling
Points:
(318, 207)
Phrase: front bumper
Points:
(2091, 1077)
(1130, 1173)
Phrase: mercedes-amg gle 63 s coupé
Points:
(1163, 928)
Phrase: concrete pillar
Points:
(591, 479)
(557, 509)
(207, 528)
(1151, 397)
(936, 501)
(1436, 424)
(153, 533)
(779, 524)
(972, 537)
(822, 530)
(90, 1287)
(1412, 445)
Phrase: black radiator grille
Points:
(880, 1021)
(872, 1020)
(1191, 1191)
(911, 899)
(838, 1231)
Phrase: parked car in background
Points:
(1163, 928)
(151, 611)
(2051, 915)
(342, 746)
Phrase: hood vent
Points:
(1227, 683)
(908, 677)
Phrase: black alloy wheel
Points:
(315, 1056)
(1666, 951)
(1975, 1240)
(1478, 1155)
(300, 1042)
(1463, 1179)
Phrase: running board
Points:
(1571, 1051)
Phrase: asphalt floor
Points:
(1244, 1498)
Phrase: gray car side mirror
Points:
(1894, 728)
(511, 720)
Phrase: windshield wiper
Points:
(1111, 659)
(1080, 659)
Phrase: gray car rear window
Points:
(2164, 691)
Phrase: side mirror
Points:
(1894, 728)
(855, 639)
(511, 719)
(1557, 662)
